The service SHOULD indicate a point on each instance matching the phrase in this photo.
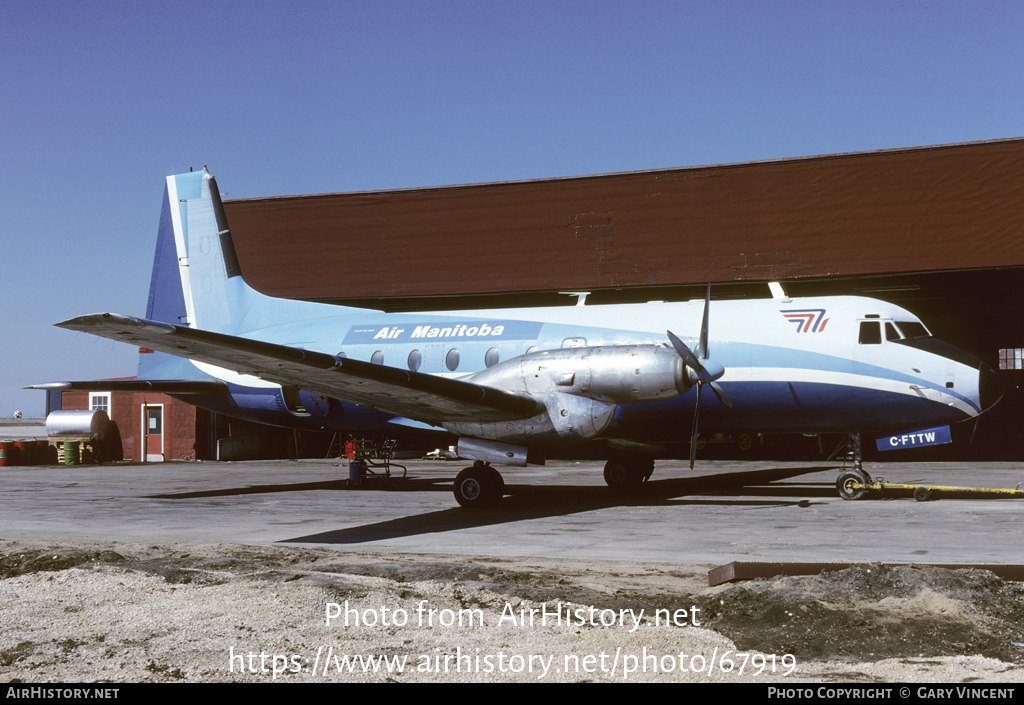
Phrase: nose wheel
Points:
(479, 486)
(852, 484)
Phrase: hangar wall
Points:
(942, 208)
(939, 230)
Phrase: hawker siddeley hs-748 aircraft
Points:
(515, 385)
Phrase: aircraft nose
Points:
(990, 387)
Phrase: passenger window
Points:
(451, 360)
(377, 358)
(891, 333)
(491, 357)
(870, 333)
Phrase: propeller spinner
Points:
(701, 370)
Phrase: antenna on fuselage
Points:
(581, 296)
(778, 293)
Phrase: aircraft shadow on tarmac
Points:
(410, 484)
(524, 502)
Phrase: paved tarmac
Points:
(22, 428)
(719, 512)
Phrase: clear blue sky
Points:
(99, 101)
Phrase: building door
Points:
(153, 432)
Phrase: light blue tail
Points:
(197, 280)
(215, 295)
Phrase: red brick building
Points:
(153, 427)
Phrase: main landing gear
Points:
(479, 486)
(628, 471)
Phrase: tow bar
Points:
(853, 485)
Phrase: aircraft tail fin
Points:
(166, 300)
(197, 279)
(215, 295)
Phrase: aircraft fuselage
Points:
(828, 364)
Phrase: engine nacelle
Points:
(616, 374)
(579, 388)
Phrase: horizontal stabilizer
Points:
(414, 395)
(160, 386)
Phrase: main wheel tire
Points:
(845, 484)
(478, 486)
(745, 442)
(622, 475)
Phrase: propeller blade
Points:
(702, 347)
(693, 437)
(684, 352)
(700, 374)
(720, 393)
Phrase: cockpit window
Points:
(913, 329)
(891, 333)
(870, 333)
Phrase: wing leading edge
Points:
(414, 395)
(162, 386)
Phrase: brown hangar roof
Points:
(931, 208)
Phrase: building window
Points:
(156, 420)
(1010, 359)
(100, 401)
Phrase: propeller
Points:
(701, 370)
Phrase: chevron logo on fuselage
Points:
(807, 320)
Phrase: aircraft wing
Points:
(162, 386)
(414, 395)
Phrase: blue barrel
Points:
(356, 472)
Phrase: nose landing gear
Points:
(853, 484)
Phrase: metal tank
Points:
(78, 424)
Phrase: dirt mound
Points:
(22, 562)
(85, 611)
(873, 612)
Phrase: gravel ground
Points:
(90, 612)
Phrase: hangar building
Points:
(938, 230)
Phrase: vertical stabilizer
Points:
(205, 265)
(166, 301)
(216, 297)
